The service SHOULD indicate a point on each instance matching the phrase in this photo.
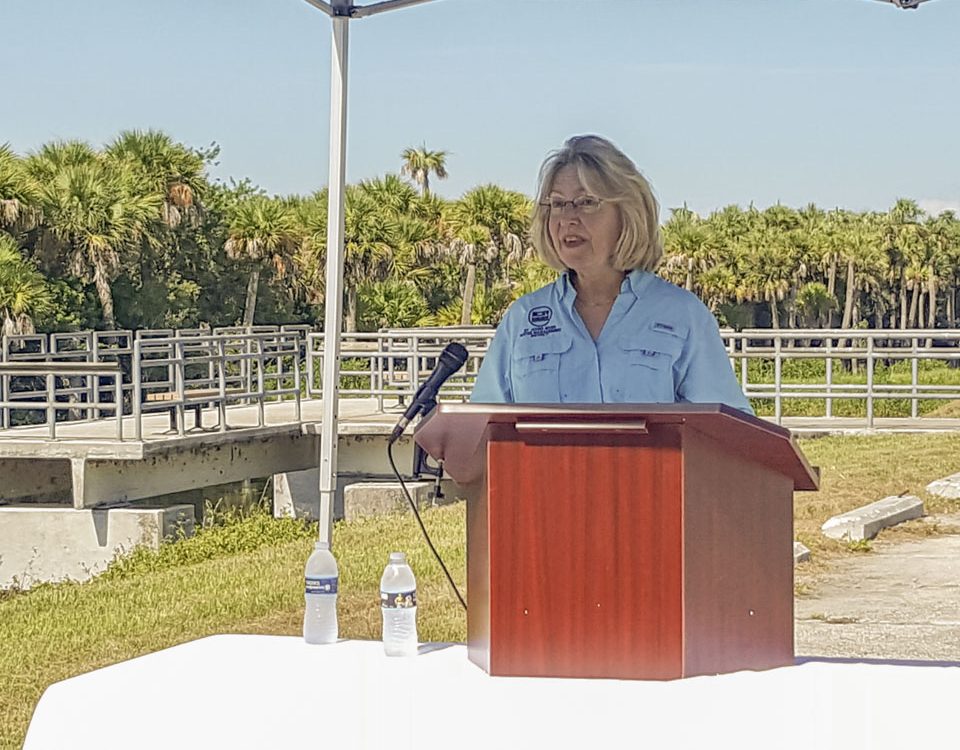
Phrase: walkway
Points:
(901, 601)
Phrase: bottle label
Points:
(321, 585)
(400, 600)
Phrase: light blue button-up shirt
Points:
(660, 344)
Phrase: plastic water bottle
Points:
(321, 583)
(398, 603)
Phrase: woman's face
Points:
(582, 240)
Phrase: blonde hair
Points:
(607, 173)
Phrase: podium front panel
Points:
(585, 554)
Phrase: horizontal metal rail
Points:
(189, 368)
(46, 400)
(219, 369)
(394, 363)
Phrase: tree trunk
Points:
(469, 285)
(920, 307)
(105, 293)
(904, 315)
(774, 314)
(689, 283)
(914, 300)
(250, 305)
(951, 306)
(932, 297)
(851, 291)
(831, 287)
(350, 313)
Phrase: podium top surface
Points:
(455, 433)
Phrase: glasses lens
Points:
(587, 204)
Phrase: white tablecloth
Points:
(234, 692)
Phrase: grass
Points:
(856, 470)
(243, 574)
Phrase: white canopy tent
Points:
(341, 12)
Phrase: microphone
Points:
(451, 359)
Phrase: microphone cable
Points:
(416, 514)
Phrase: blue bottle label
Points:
(400, 600)
(321, 585)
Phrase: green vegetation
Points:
(811, 373)
(243, 574)
(137, 235)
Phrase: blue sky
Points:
(840, 102)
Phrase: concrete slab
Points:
(866, 522)
(948, 487)
(900, 601)
(53, 543)
(378, 498)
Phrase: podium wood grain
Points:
(625, 554)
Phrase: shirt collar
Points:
(636, 281)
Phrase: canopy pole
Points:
(333, 302)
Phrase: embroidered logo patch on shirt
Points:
(540, 316)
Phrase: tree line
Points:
(136, 234)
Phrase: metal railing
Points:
(828, 373)
(150, 371)
(845, 354)
(175, 373)
(393, 363)
(53, 398)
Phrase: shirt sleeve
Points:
(705, 374)
(493, 380)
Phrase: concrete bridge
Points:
(74, 493)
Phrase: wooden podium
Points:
(623, 540)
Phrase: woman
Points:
(608, 330)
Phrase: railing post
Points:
(179, 375)
(261, 395)
(914, 378)
(870, 364)
(137, 375)
(94, 392)
(829, 378)
(118, 400)
(222, 374)
(52, 405)
(296, 379)
(777, 378)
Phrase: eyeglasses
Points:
(585, 204)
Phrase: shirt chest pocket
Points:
(535, 368)
(649, 357)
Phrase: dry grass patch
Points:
(858, 470)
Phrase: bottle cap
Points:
(398, 557)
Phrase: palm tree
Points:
(815, 303)
(487, 227)
(18, 192)
(94, 214)
(171, 169)
(687, 247)
(419, 163)
(262, 231)
(23, 290)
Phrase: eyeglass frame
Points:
(562, 204)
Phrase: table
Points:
(249, 691)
